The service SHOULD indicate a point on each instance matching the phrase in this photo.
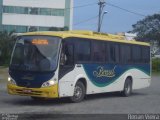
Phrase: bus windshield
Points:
(35, 53)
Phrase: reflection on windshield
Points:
(36, 53)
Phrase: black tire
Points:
(127, 91)
(79, 92)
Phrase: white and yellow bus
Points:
(77, 63)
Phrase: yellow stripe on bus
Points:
(88, 35)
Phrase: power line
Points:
(89, 19)
(139, 14)
(109, 4)
(112, 5)
(86, 19)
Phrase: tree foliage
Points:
(6, 45)
(148, 29)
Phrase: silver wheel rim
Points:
(77, 92)
(127, 88)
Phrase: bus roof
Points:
(88, 34)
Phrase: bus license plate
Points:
(27, 91)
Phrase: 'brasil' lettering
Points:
(101, 72)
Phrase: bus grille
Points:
(28, 93)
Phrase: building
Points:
(32, 15)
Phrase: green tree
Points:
(148, 29)
(7, 41)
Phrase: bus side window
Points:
(145, 54)
(82, 51)
(66, 59)
(67, 56)
(114, 53)
(136, 54)
(98, 51)
(125, 51)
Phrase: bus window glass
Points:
(98, 52)
(125, 53)
(35, 53)
(107, 52)
(114, 53)
(82, 51)
(128, 54)
(145, 54)
(69, 54)
(136, 54)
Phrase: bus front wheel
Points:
(127, 90)
(79, 92)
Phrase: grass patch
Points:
(156, 65)
(156, 73)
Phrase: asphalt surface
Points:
(142, 101)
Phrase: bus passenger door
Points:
(66, 70)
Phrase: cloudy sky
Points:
(116, 20)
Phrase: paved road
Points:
(142, 101)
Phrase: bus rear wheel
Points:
(127, 90)
(79, 92)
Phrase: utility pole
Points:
(101, 4)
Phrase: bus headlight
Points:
(11, 81)
(48, 83)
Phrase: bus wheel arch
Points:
(79, 90)
(83, 80)
(128, 85)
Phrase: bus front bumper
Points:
(47, 92)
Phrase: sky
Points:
(116, 20)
